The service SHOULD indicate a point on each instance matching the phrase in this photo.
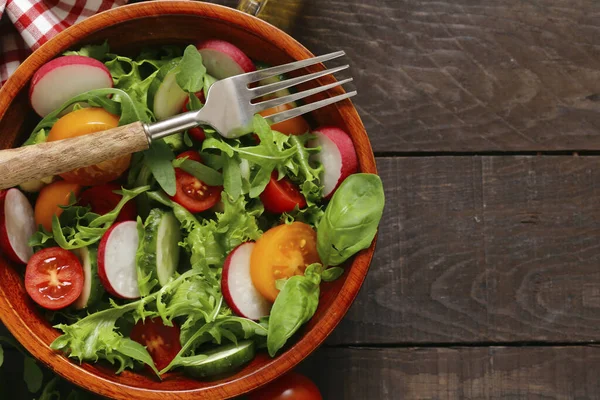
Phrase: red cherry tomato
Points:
(281, 196)
(191, 193)
(54, 278)
(291, 386)
(161, 341)
(103, 200)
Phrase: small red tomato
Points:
(161, 341)
(291, 386)
(54, 278)
(191, 193)
(103, 200)
(281, 196)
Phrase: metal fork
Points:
(229, 109)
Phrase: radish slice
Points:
(17, 226)
(337, 155)
(236, 285)
(63, 78)
(116, 260)
(222, 59)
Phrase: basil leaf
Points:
(295, 304)
(190, 77)
(331, 274)
(32, 374)
(158, 159)
(202, 172)
(351, 218)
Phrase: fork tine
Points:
(296, 96)
(282, 69)
(274, 87)
(294, 112)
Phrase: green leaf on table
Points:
(32, 374)
(190, 77)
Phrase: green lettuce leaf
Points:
(97, 51)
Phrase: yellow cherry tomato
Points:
(51, 197)
(280, 253)
(81, 122)
(292, 126)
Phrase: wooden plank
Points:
(483, 249)
(467, 75)
(453, 373)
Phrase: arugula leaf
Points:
(95, 336)
(200, 171)
(295, 304)
(79, 227)
(97, 51)
(191, 73)
(232, 176)
(158, 158)
(351, 218)
(32, 374)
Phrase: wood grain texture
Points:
(483, 249)
(467, 75)
(53, 158)
(538, 373)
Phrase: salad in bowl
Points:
(200, 252)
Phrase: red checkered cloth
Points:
(25, 25)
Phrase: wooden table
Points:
(484, 116)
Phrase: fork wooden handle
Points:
(52, 158)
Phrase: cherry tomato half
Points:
(280, 253)
(82, 122)
(103, 200)
(161, 341)
(191, 193)
(291, 386)
(292, 126)
(54, 278)
(281, 196)
(50, 198)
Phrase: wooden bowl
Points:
(127, 29)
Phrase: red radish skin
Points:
(236, 284)
(223, 59)
(17, 225)
(63, 78)
(337, 155)
(116, 260)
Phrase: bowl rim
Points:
(295, 353)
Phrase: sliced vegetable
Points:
(51, 197)
(222, 360)
(92, 287)
(193, 194)
(116, 260)
(82, 122)
(54, 278)
(158, 253)
(161, 341)
(165, 97)
(292, 126)
(63, 78)
(103, 199)
(281, 195)
(223, 59)
(280, 253)
(236, 285)
(17, 225)
(337, 156)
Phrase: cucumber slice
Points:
(273, 79)
(222, 360)
(165, 97)
(92, 287)
(158, 254)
